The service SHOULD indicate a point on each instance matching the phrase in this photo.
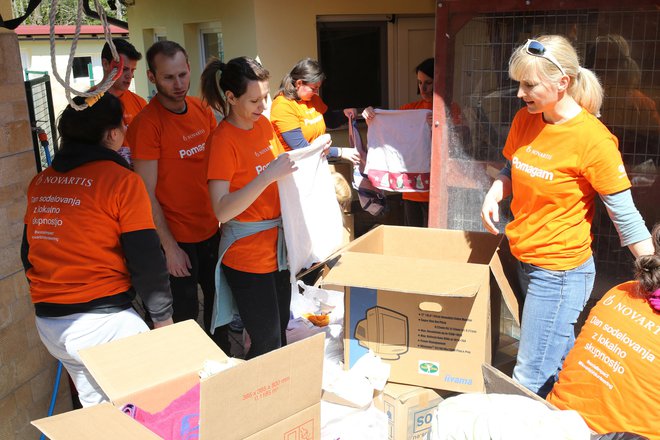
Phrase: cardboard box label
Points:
(420, 419)
(415, 341)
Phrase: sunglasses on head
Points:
(536, 49)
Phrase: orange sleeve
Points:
(318, 104)
(143, 136)
(284, 115)
(134, 205)
(222, 160)
(604, 169)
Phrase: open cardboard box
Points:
(274, 396)
(427, 301)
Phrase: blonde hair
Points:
(583, 86)
(342, 191)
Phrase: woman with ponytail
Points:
(559, 157)
(245, 161)
(611, 376)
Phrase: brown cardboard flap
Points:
(104, 420)
(252, 396)
(497, 382)
(125, 367)
(404, 274)
(503, 268)
(303, 425)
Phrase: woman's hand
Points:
(350, 112)
(490, 210)
(280, 167)
(429, 119)
(490, 214)
(350, 154)
(368, 114)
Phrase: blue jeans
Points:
(553, 303)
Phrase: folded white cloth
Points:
(504, 417)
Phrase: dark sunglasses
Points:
(536, 49)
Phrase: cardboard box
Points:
(274, 396)
(409, 410)
(424, 300)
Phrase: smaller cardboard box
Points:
(409, 410)
(427, 301)
(274, 396)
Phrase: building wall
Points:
(286, 29)
(35, 56)
(27, 371)
(181, 22)
(279, 32)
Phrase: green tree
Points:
(66, 11)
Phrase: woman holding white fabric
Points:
(245, 161)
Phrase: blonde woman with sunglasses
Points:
(559, 157)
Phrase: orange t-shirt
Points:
(611, 376)
(131, 104)
(556, 171)
(417, 105)
(239, 156)
(288, 114)
(74, 221)
(178, 143)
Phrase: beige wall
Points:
(27, 371)
(181, 21)
(286, 29)
(280, 32)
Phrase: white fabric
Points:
(64, 336)
(347, 423)
(504, 417)
(399, 143)
(311, 216)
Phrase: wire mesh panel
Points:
(42, 120)
(622, 47)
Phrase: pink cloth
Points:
(178, 421)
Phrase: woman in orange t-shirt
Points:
(609, 376)
(298, 113)
(245, 162)
(416, 204)
(560, 156)
(90, 244)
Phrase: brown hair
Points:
(307, 70)
(647, 267)
(219, 78)
(166, 48)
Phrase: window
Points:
(80, 67)
(353, 55)
(211, 45)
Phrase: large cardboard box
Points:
(274, 396)
(424, 301)
(409, 410)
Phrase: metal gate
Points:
(42, 119)
(620, 44)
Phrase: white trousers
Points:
(64, 336)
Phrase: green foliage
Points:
(67, 11)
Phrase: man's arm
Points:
(178, 262)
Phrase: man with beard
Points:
(130, 102)
(168, 143)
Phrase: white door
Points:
(414, 42)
